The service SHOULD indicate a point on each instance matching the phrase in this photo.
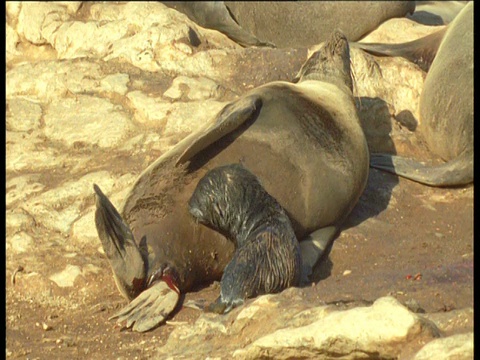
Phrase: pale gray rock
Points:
(387, 91)
(16, 220)
(188, 117)
(148, 35)
(50, 80)
(76, 190)
(24, 152)
(282, 326)
(116, 83)
(21, 187)
(12, 39)
(75, 39)
(20, 242)
(351, 334)
(23, 115)
(91, 269)
(46, 81)
(59, 220)
(399, 84)
(145, 15)
(86, 119)
(83, 229)
(146, 143)
(449, 322)
(177, 117)
(399, 30)
(150, 111)
(193, 89)
(455, 347)
(59, 208)
(66, 277)
(12, 9)
(34, 16)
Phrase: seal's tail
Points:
(128, 265)
(456, 172)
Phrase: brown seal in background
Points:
(446, 104)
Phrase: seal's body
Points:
(446, 109)
(231, 200)
(303, 141)
(289, 24)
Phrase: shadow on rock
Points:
(376, 119)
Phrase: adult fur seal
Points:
(291, 24)
(267, 257)
(303, 141)
(446, 112)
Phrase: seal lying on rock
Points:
(267, 257)
(446, 111)
(303, 141)
(290, 24)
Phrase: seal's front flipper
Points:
(227, 120)
(216, 15)
(313, 248)
(150, 308)
(120, 247)
(224, 22)
(458, 171)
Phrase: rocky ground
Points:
(96, 92)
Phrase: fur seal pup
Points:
(446, 112)
(231, 200)
(291, 24)
(304, 142)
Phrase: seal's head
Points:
(267, 258)
(330, 63)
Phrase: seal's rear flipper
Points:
(150, 308)
(120, 247)
(421, 51)
(456, 172)
(313, 247)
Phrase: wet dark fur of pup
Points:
(267, 259)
